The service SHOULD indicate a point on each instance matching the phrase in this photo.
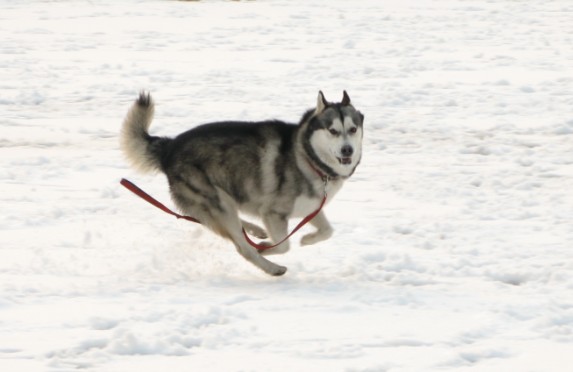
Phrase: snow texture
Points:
(453, 240)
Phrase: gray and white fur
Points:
(270, 169)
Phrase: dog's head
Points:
(334, 136)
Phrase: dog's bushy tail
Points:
(142, 150)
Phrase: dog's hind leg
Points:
(229, 223)
(249, 253)
(253, 256)
(222, 217)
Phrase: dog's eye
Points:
(334, 132)
(353, 130)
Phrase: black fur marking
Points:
(211, 198)
(286, 135)
(238, 193)
(345, 99)
(144, 100)
(306, 116)
(159, 147)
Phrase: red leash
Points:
(148, 198)
(261, 247)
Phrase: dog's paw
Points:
(309, 239)
(254, 230)
(315, 237)
(281, 249)
(280, 270)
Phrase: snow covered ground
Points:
(453, 241)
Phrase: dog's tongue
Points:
(346, 160)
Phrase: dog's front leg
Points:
(276, 225)
(323, 230)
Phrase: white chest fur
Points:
(305, 205)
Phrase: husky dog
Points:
(270, 169)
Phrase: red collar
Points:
(320, 173)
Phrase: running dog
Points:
(270, 169)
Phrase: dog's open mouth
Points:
(345, 160)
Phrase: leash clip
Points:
(325, 179)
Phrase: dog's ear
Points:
(345, 99)
(321, 103)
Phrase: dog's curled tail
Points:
(142, 150)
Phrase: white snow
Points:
(453, 241)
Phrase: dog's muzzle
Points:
(346, 152)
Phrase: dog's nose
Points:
(347, 150)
